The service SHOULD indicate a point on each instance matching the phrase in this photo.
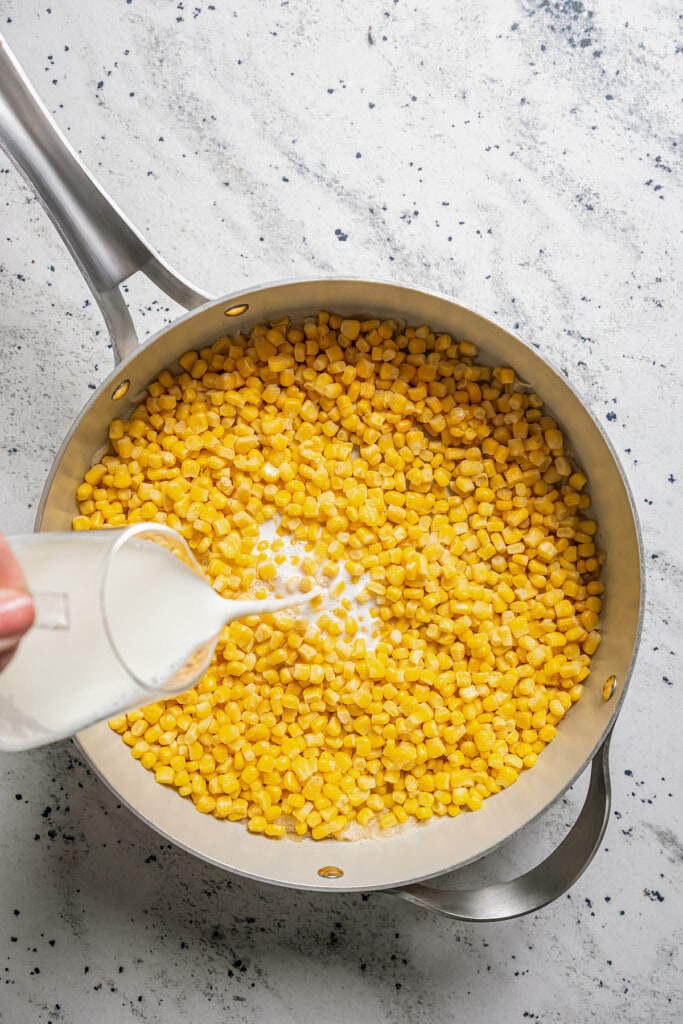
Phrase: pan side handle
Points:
(105, 245)
(545, 882)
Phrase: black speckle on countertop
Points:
(569, 19)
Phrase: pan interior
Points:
(438, 845)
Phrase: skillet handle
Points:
(544, 883)
(103, 242)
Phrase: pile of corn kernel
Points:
(442, 492)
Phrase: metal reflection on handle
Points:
(544, 883)
(105, 245)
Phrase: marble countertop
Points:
(520, 156)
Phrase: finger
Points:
(17, 613)
(6, 657)
(10, 571)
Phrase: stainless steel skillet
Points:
(109, 250)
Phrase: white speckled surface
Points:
(520, 156)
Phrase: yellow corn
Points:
(439, 484)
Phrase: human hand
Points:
(16, 607)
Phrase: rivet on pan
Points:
(330, 872)
(120, 390)
(609, 688)
(236, 310)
